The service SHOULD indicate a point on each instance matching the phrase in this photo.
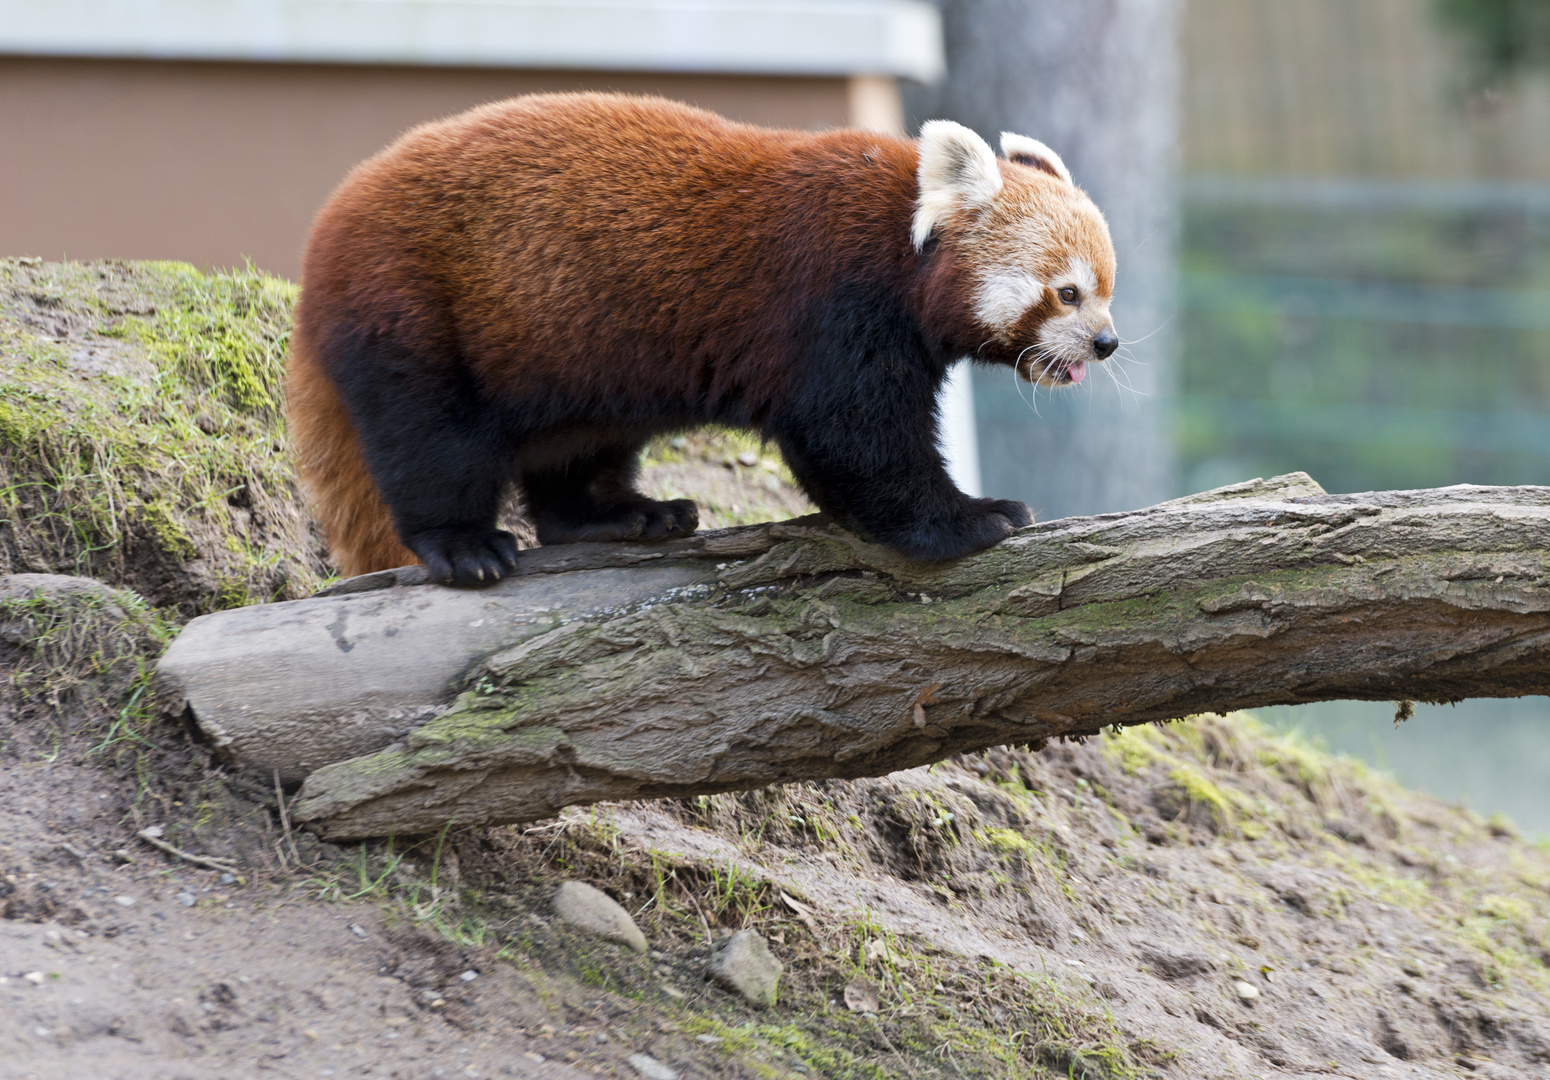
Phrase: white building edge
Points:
(893, 38)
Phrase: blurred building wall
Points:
(215, 163)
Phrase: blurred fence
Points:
(1350, 87)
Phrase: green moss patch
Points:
(141, 440)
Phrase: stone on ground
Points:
(744, 964)
(597, 913)
(651, 1068)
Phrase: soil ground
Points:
(1201, 899)
(1013, 914)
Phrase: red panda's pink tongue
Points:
(1076, 371)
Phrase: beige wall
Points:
(214, 163)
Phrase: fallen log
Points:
(794, 651)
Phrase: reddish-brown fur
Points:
(601, 248)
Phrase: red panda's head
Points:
(1036, 251)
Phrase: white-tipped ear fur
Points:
(957, 169)
(1026, 151)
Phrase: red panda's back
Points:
(545, 228)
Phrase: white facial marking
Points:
(1005, 295)
(1080, 273)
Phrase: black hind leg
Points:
(436, 451)
(594, 498)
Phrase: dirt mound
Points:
(140, 436)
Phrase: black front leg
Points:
(895, 491)
(860, 435)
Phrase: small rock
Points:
(469, 976)
(743, 963)
(651, 1068)
(861, 995)
(34, 977)
(227, 879)
(187, 899)
(1245, 991)
(358, 930)
(589, 909)
(708, 1040)
(748, 459)
(124, 901)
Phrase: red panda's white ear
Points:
(957, 170)
(1032, 152)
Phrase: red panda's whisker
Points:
(1017, 385)
(1116, 373)
(1137, 341)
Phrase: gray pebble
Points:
(743, 963)
(588, 909)
(651, 1068)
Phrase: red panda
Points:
(525, 293)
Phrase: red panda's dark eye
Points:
(1068, 294)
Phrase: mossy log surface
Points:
(793, 651)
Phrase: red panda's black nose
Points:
(1105, 344)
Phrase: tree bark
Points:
(794, 651)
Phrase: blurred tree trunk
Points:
(1098, 81)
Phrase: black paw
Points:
(975, 525)
(678, 517)
(1017, 513)
(466, 557)
(644, 520)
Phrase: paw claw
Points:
(466, 558)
